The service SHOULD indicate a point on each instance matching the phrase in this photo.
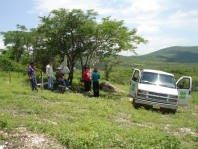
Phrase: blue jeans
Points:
(33, 83)
(64, 83)
(50, 83)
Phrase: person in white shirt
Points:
(49, 72)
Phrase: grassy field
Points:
(75, 120)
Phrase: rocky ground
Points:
(21, 138)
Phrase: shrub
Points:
(9, 65)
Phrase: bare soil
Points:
(21, 138)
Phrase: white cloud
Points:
(147, 29)
(183, 19)
(45, 6)
(160, 42)
(150, 17)
(157, 43)
(143, 6)
(183, 15)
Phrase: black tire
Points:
(136, 105)
(173, 111)
(168, 111)
(147, 107)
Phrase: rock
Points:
(106, 86)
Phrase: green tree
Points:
(109, 64)
(109, 38)
(67, 32)
(18, 43)
(77, 35)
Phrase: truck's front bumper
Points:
(155, 104)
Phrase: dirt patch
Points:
(194, 114)
(185, 131)
(124, 120)
(127, 123)
(180, 131)
(23, 139)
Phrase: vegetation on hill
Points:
(9, 65)
(176, 54)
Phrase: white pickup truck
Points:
(159, 89)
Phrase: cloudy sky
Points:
(164, 23)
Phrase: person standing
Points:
(90, 72)
(87, 80)
(95, 79)
(32, 76)
(49, 72)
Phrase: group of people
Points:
(88, 78)
(50, 76)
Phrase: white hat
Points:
(58, 68)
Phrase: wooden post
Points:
(9, 76)
(42, 80)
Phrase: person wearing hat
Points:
(32, 76)
(60, 77)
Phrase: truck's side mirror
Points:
(135, 79)
(136, 75)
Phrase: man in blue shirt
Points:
(95, 79)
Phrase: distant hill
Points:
(174, 54)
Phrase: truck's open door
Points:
(184, 86)
(134, 82)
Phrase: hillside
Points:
(47, 119)
(174, 54)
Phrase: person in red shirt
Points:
(87, 80)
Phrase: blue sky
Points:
(164, 23)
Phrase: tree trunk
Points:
(82, 66)
(70, 78)
(71, 74)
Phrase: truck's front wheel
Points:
(173, 111)
(136, 105)
(165, 110)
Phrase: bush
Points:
(9, 65)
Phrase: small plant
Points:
(3, 124)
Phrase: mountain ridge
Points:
(177, 54)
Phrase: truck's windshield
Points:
(158, 79)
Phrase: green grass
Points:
(79, 121)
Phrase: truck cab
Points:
(159, 89)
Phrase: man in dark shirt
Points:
(32, 76)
